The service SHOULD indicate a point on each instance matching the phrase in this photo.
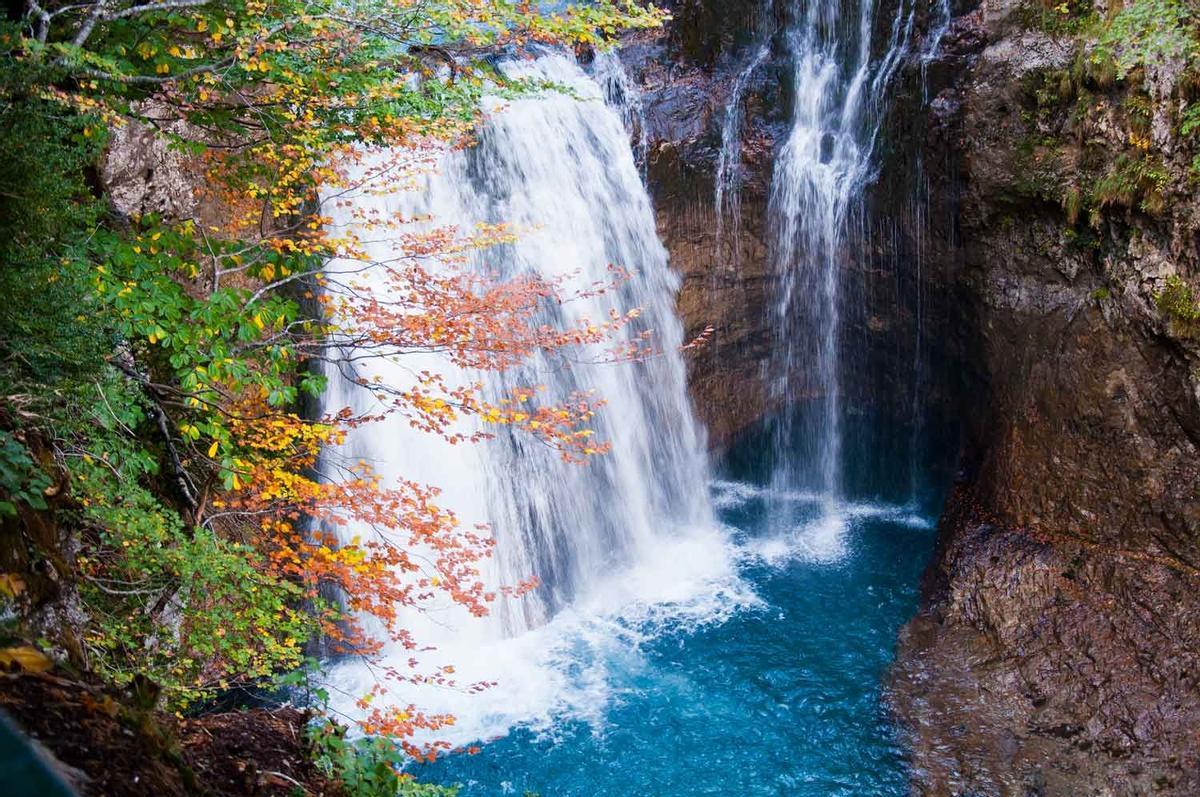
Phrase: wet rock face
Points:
(897, 324)
(686, 75)
(1057, 648)
(1049, 668)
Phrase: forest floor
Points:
(102, 746)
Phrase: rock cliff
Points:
(716, 88)
(687, 74)
(1057, 650)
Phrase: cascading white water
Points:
(727, 181)
(933, 40)
(621, 93)
(821, 170)
(727, 177)
(629, 533)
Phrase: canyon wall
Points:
(1057, 651)
(686, 74)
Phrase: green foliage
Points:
(212, 343)
(1133, 181)
(1189, 120)
(1177, 301)
(1139, 112)
(1062, 18)
(21, 480)
(1151, 32)
(142, 563)
(240, 624)
(1189, 128)
(367, 767)
(45, 199)
(1095, 70)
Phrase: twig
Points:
(182, 479)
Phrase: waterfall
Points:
(933, 39)
(822, 167)
(621, 93)
(727, 175)
(727, 193)
(630, 533)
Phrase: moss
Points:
(1036, 169)
(1051, 99)
(1177, 300)
(1062, 18)
(1178, 303)
(1095, 69)
(1133, 181)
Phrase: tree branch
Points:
(156, 80)
(166, 5)
(159, 416)
(42, 28)
(88, 24)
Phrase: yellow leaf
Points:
(11, 585)
(212, 450)
(26, 657)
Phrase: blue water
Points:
(779, 698)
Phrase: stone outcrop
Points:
(142, 173)
(1058, 648)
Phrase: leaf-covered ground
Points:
(106, 747)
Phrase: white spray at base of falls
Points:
(815, 209)
(620, 544)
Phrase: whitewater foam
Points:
(824, 534)
(573, 667)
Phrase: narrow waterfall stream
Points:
(698, 629)
(816, 217)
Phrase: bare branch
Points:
(42, 28)
(155, 80)
(89, 23)
(166, 5)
